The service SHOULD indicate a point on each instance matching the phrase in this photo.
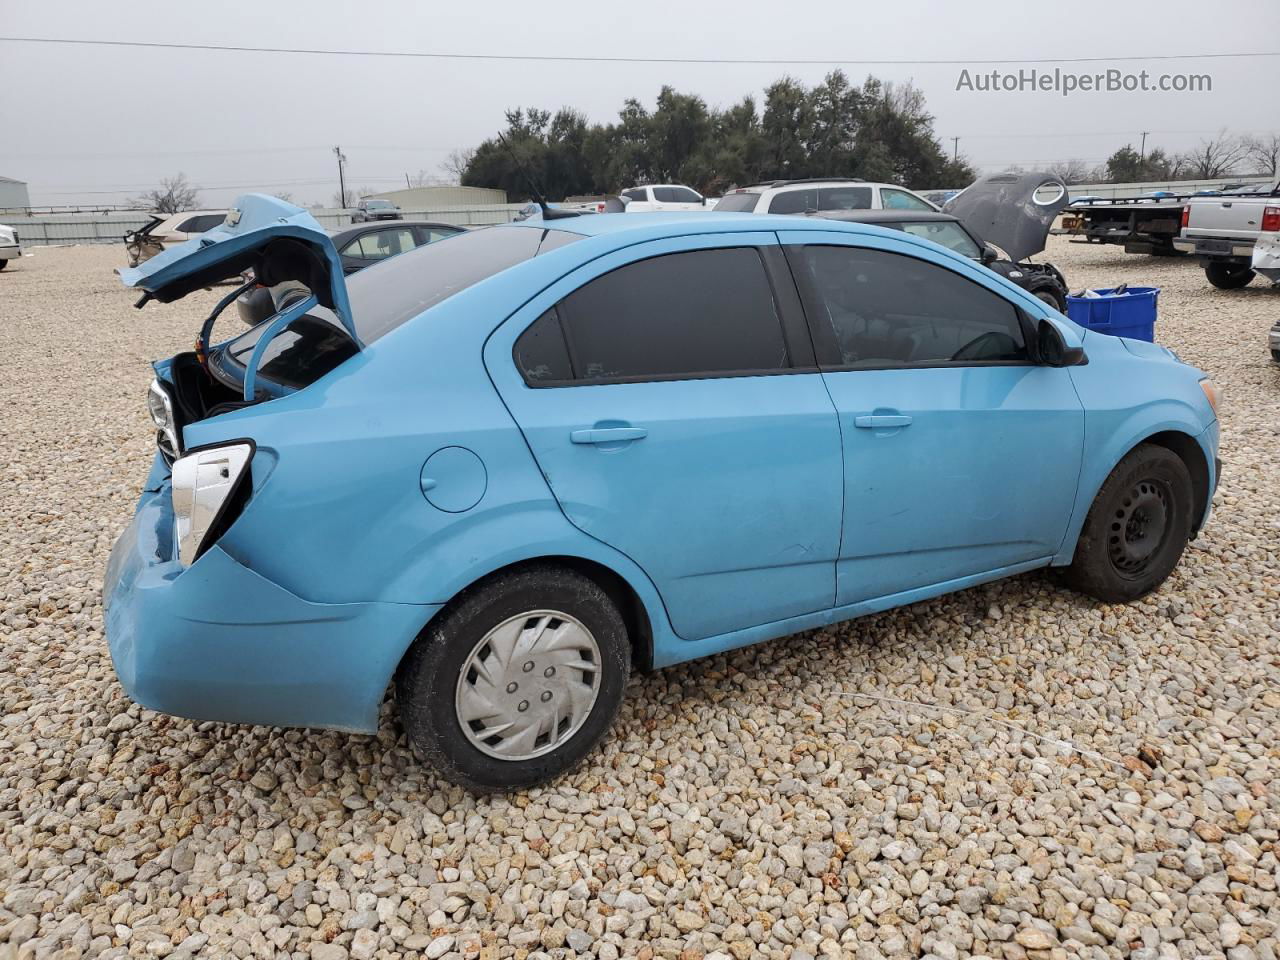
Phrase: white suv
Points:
(810, 196)
(9, 249)
(663, 196)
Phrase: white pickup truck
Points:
(1222, 231)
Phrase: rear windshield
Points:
(737, 203)
(387, 294)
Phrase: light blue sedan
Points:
(504, 469)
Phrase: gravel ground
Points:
(797, 799)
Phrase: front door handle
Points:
(608, 434)
(877, 421)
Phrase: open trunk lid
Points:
(1014, 211)
(278, 241)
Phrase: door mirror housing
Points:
(989, 254)
(1058, 344)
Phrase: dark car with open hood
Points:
(1043, 280)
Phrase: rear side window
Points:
(635, 194)
(874, 309)
(201, 223)
(737, 203)
(794, 201)
(703, 313)
(901, 200)
(682, 195)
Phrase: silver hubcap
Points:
(528, 685)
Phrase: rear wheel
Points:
(1228, 276)
(3, 264)
(517, 681)
(1136, 529)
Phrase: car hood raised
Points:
(1014, 211)
(275, 239)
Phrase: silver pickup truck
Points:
(1221, 231)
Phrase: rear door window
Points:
(684, 195)
(844, 198)
(701, 313)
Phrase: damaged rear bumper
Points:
(217, 641)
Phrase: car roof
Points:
(884, 216)
(650, 226)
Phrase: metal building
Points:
(14, 196)
(443, 195)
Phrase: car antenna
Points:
(534, 189)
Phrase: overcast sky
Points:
(98, 124)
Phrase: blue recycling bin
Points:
(1129, 313)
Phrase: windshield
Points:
(951, 235)
(383, 297)
(379, 205)
(737, 203)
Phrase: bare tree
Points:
(455, 165)
(1214, 158)
(1070, 171)
(1264, 151)
(174, 195)
(286, 196)
(423, 179)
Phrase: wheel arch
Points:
(1189, 452)
(619, 589)
(1174, 438)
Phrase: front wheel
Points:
(517, 681)
(1137, 528)
(1228, 276)
(1052, 297)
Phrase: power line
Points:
(587, 58)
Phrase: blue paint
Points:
(736, 509)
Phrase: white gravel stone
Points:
(768, 802)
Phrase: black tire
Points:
(1136, 529)
(3, 264)
(428, 679)
(1228, 276)
(1052, 297)
(1275, 355)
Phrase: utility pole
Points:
(1142, 151)
(342, 183)
(408, 185)
(955, 149)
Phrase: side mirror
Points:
(989, 254)
(1058, 345)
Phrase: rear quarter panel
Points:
(338, 512)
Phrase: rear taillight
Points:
(1186, 214)
(209, 488)
(1271, 218)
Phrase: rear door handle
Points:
(608, 434)
(875, 421)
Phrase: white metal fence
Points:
(110, 227)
